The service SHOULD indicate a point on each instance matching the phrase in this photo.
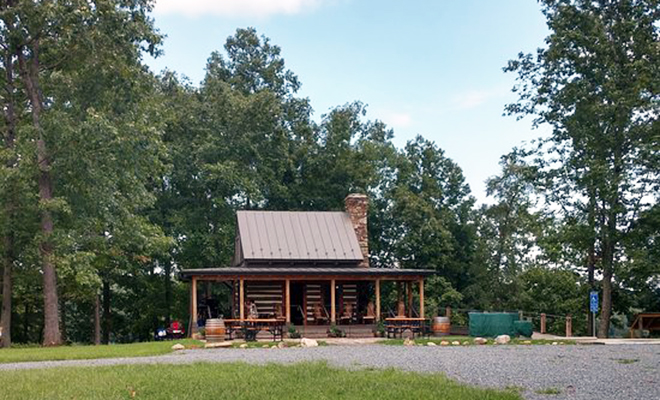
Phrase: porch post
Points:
(333, 318)
(287, 300)
(241, 299)
(377, 299)
(421, 298)
(410, 298)
(193, 305)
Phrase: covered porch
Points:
(312, 299)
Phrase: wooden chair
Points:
(371, 314)
(319, 315)
(401, 309)
(278, 311)
(347, 315)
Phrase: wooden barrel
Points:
(215, 330)
(441, 326)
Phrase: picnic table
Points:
(250, 327)
(397, 325)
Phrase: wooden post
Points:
(569, 326)
(421, 298)
(448, 312)
(410, 299)
(543, 327)
(287, 300)
(377, 299)
(193, 305)
(333, 317)
(241, 299)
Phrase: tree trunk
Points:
(8, 239)
(5, 317)
(606, 309)
(107, 325)
(97, 320)
(30, 72)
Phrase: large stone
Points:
(480, 340)
(304, 342)
(503, 339)
(178, 346)
(455, 343)
(408, 342)
(431, 344)
(218, 345)
(243, 346)
(444, 343)
(281, 345)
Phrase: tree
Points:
(596, 85)
(425, 220)
(50, 42)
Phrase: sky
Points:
(430, 68)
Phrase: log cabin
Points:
(309, 268)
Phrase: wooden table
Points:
(398, 325)
(252, 326)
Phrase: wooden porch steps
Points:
(320, 331)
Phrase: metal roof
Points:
(275, 271)
(301, 235)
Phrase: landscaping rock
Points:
(274, 347)
(480, 340)
(265, 346)
(527, 342)
(431, 344)
(554, 343)
(466, 343)
(503, 339)
(178, 346)
(243, 346)
(408, 342)
(455, 343)
(218, 345)
(304, 342)
(444, 343)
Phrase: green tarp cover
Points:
(524, 328)
(492, 324)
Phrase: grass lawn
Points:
(235, 381)
(470, 340)
(22, 354)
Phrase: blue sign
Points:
(593, 302)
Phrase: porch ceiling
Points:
(306, 273)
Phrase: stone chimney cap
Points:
(357, 196)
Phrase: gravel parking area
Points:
(575, 372)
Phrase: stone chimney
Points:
(357, 206)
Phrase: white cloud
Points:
(397, 119)
(235, 8)
(472, 99)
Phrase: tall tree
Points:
(596, 85)
(52, 40)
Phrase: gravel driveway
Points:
(578, 372)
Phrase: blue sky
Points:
(424, 67)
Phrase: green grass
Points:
(550, 391)
(235, 381)
(23, 354)
(470, 340)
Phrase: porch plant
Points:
(335, 332)
(379, 329)
(293, 332)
